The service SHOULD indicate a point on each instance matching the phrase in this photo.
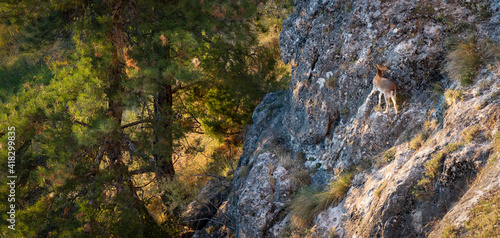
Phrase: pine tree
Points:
(121, 83)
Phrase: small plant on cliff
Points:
(336, 191)
(423, 135)
(466, 58)
(452, 96)
(464, 61)
(424, 187)
(331, 82)
(496, 142)
(470, 133)
(419, 140)
(389, 155)
(484, 219)
(309, 202)
(305, 206)
(450, 232)
(379, 190)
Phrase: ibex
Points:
(384, 86)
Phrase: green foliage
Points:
(425, 186)
(101, 94)
(452, 147)
(336, 190)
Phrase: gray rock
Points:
(327, 116)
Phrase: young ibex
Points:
(384, 86)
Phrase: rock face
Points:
(326, 124)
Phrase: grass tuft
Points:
(464, 61)
(470, 133)
(450, 232)
(379, 190)
(305, 206)
(466, 58)
(309, 202)
(425, 186)
(389, 155)
(496, 142)
(484, 218)
(452, 96)
(419, 140)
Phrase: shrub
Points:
(452, 147)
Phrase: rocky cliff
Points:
(421, 172)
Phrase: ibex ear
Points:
(376, 66)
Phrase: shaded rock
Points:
(206, 203)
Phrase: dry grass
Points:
(464, 61)
(310, 202)
(450, 232)
(419, 140)
(452, 96)
(379, 190)
(496, 142)
(300, 178)
(305, 206)
(484, 218)
(470, 133)
(423, 135)
(336, 191)
(466, 58)
(424, 187)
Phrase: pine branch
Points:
(135, 123)
(81, 123)
(180, 87)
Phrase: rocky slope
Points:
(325, 125)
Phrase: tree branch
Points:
(180, 86)
(81, 123)
(135, 123)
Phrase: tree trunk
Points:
(163, 144)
